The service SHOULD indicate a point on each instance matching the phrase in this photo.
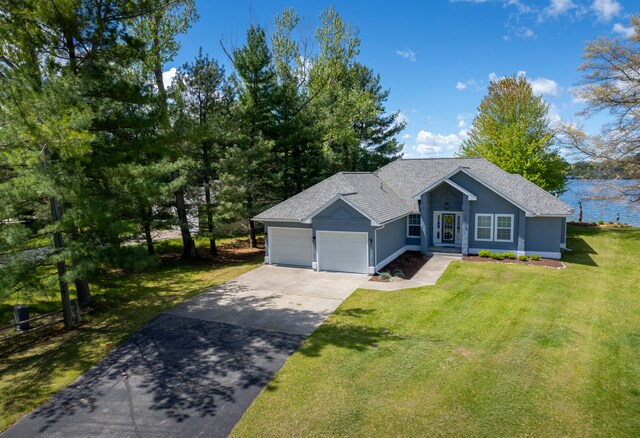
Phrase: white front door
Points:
(290, 246)
(343, 251)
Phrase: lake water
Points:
(580, 189)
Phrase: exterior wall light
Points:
(446, 206)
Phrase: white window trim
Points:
(495, 224)
(408, 223)
(490, 239)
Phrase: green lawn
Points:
(491, 350)
(124, 304)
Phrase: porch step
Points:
(443, 250)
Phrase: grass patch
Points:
(491, 350)
(124, 304)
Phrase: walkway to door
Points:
(427, 276)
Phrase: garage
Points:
(290, 246)
(343, 251)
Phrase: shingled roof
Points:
(390, 192)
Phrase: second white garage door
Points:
(343, 251)
(290, 246)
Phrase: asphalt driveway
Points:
(195, 369)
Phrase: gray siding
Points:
(544, 234)
(414, 241)
(444, 193)
(340, 216)
(390, 239)
(490, 203)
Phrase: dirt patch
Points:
(464, 352)
(542, 262)
(409, 263)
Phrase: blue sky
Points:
(437, 57)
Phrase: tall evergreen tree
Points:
(246, 171)
(202, 99)
(77, 115)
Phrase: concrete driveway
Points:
(195, 369)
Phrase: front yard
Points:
(124, 304)
(492, 350)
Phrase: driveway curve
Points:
(196, 368)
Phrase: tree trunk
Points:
(579, 211)
(189, 251)
(147, 231)
(62, 267)
(210, 229)
(207, 196)
(83, 292)
(61, 264)
(253, 242)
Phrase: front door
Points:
(448, 228)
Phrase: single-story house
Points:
(361, 221)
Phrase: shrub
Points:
(600, 222)
(610, 222)
(522, 258)
(496, 256)
(509, 255)
(398, 273)
(594, 223)
(484, 253)
(385, 276)
(535, 257)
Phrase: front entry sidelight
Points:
(448, 228)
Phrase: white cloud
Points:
(525, 33)
(626, 32)
(425, 149)
(606, 9)
(429, 143)
(407, 54)
(558, 7)
(167, 76)
(545, 86)
(406, 136)
(493, 77)
(464, 85)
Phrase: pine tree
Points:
(202, 99)
(246, 171)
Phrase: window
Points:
(504, 228)
(413, 225)
(484, 227)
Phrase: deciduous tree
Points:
(513, 131)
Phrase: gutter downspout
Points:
(375, 248)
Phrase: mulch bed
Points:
(542, 262)
(409, 263)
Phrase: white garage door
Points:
(342, 251)
(290, 246)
